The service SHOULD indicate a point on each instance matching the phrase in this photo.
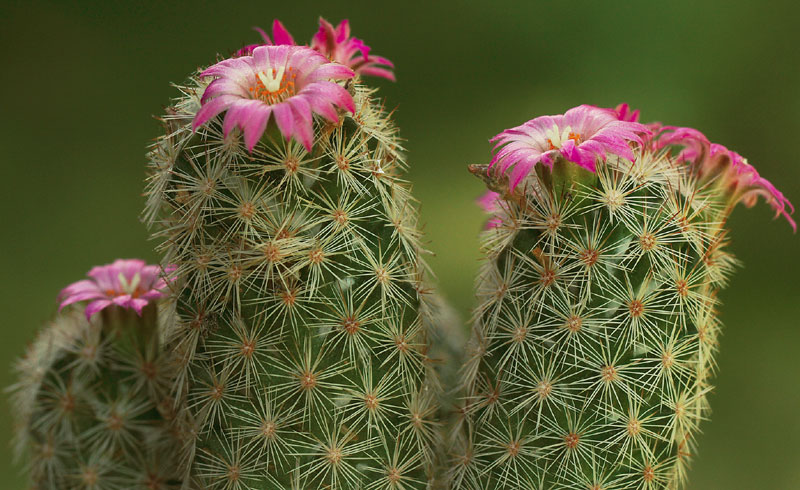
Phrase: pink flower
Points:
(715, 164)
(489, 202)
(290, 82)
(741, 181)
(581, 135)
(279, 34)
(336, 44)
(333, 42)
(125, 283)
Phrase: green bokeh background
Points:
(80, 82)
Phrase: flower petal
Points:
(280, 35)
(96, 306)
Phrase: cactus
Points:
(594, 340)
(303, 314)
(92, 406)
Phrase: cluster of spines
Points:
(594, 339)
(92, 406)
(302, 339)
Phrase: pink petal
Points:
(330, 92)
(280, 34)
(303, 122)
(122, 300)
(151, 295)
(236, 116)
(96, 306)
(378, 72)
(263, 34)
(212, 109)
(80, 297)
(138, 304)
(330, 71)
(285, 119)
(255, 127)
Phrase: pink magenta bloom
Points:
(742, 182)
(336, 44)
(489, 202)
(333, 42)
(290, 82)
(581, 135)
(125, 283)
(712, 162)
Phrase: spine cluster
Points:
(303, 316)
(594, 339)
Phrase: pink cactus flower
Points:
(126, 283)
(333, 42)
(290, 83)
(740, 181)
(336, 44)
(714, 163)
(581, 135)
(489, 202)
(280, 36)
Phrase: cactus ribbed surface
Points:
(92, 404)
(594, 339)
(303, 315)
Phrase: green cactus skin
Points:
(594, 340)
(92, 406)
(303, 313)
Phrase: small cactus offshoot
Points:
(92, 402)
(594, 340)
(303, 313)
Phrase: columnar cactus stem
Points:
(595, 337)
(303, 313)
(92, 401)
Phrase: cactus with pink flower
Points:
(304, 318)
(595, 336)
(291, 339)
(92, 402)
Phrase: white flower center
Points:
(129, 287)
(272, 78)
(556, 138)
(274, 85)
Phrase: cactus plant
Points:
(303, 313)
(594, 340)
(91, 404)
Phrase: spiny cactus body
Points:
(303, 314)
(91, 404)
(596, 332)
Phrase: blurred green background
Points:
(80, 81)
